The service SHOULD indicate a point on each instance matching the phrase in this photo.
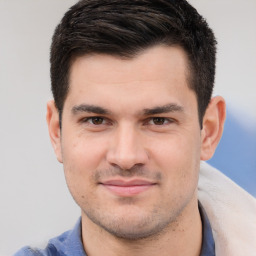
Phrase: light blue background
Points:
(236, 153)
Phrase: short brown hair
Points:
(125, 28)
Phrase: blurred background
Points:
(35, 203)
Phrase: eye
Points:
(159, 121)
(95, 120)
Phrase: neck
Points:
(182, 237)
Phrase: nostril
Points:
(125, 163)
(136, 170)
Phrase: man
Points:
(132, 118)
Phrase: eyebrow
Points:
(163, 109)
(147, 111)
(89, 109)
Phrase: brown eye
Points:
(159, 120)
(97, 120)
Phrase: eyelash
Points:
(165, 121)
(90, 120)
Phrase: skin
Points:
(135, 121)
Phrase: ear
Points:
(213, 124)
(52, 118)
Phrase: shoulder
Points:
(67, 244)
(54, 247)
(28, 251)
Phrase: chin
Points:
(132, 225)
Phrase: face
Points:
(130, 141)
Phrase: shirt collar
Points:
(208, 244)
(73, 244)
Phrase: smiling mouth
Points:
(127, 188)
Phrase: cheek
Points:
(81, 157)
(83, 153)
(179, 157)
(177, 149)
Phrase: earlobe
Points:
(52, 118)
(213, 124)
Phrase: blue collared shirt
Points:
(70, 243)
(208, 244)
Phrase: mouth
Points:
(128, 188)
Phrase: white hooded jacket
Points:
(231, 212)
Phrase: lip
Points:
(127, 188)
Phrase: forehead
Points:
(160, 70)
(151, 64)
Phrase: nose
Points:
(126, 148)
